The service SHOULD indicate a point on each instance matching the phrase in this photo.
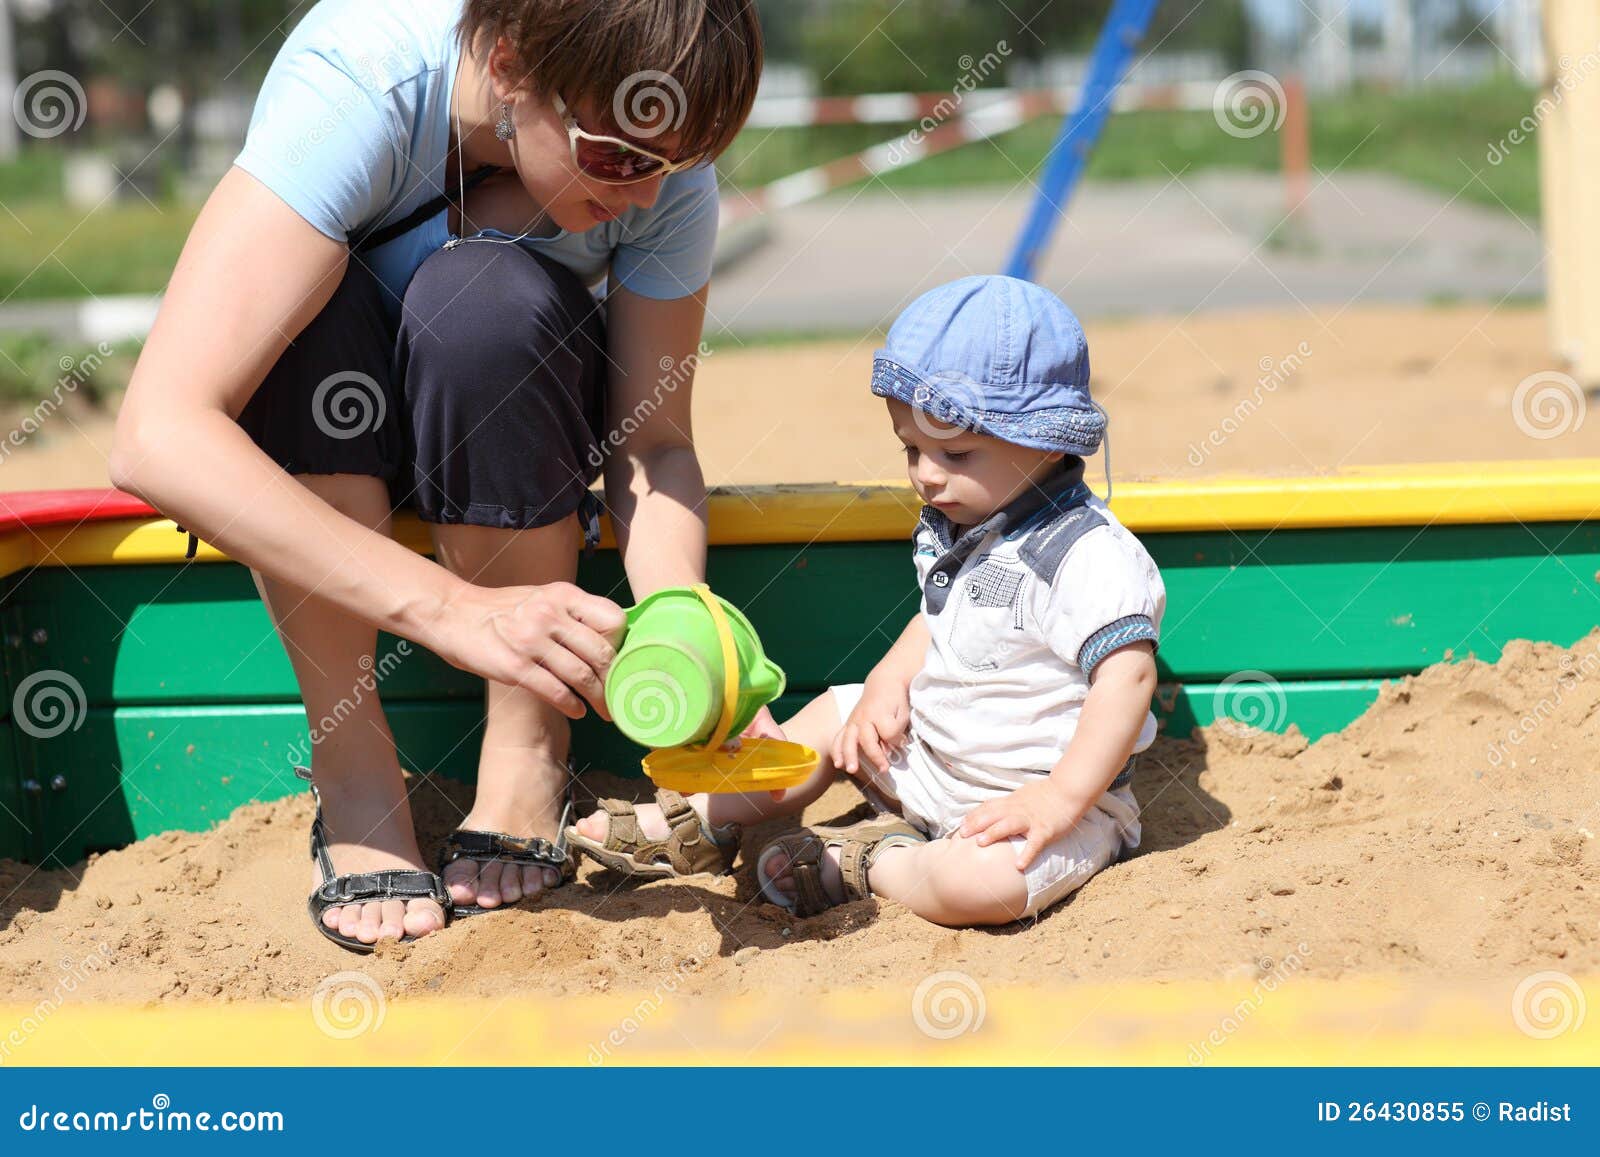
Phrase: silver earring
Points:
(503, 128)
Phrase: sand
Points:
(1420, 840)
(1423, 839)
(1361, 386)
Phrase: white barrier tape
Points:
(899, 107)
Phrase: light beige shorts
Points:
(933, 797)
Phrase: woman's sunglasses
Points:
(612, 160)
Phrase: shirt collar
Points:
(1057, 493)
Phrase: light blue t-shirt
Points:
(352, 129)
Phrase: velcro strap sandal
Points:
(691, 848)
(859, 845)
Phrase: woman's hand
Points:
(555, 640)
(877, 728)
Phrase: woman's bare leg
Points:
(357, 772)
(522, 767)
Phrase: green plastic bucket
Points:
(665, 688)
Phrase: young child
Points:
(997, 735)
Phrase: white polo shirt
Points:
(1021, 609)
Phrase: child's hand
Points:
(1042, 811)
(763, 726)
(877, 728)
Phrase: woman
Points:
(386, 303)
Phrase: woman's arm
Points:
(654, 488)
(252, 274)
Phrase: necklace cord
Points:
(461, 194)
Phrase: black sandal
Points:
(499, 848)
(363, 887)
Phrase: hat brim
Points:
(959, 402)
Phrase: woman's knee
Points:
(484, 308)
(362, 497)
(501, 356)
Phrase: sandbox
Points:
(1437, 835)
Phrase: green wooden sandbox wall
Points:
(190, 708)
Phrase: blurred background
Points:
(1323, 204)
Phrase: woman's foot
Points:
(514, 810)
(369, 833)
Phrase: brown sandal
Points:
(858, 844)
(692, 848)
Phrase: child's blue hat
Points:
(998, 356)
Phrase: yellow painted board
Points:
(1300, 1021)
(1479, 492)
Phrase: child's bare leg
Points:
(952, 882)
(814, 725)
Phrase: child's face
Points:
(966, 476)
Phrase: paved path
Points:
(851, 261)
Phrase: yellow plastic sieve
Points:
(757, 764)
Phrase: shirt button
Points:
(941, 579)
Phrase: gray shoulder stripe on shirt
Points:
(1045, 548)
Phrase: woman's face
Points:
(543, 158)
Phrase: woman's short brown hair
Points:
(616, 53)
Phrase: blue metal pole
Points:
(1125, 28)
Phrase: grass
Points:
(50, 250)
(33, 367)
(1437, 138)
(1440, 139)
(719, 340)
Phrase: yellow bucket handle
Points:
(730, 667)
